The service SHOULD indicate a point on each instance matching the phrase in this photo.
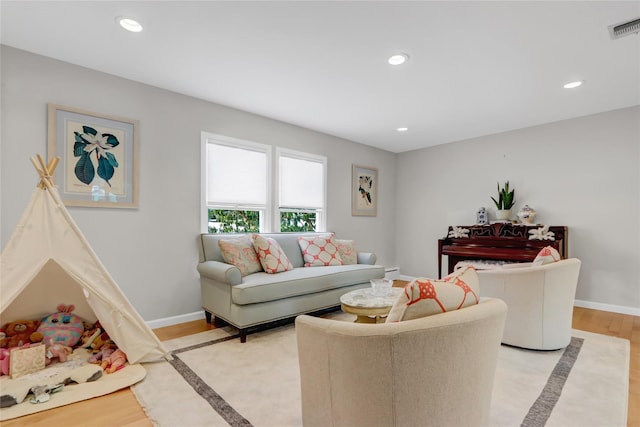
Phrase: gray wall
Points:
(151, 251)
(583, 173)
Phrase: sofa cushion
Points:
(547, 255)
(319, 251)
(210, 251)
(347, 249)
(423, 297)
(271, 255)
(240, 252)
(262, 287)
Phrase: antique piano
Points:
(500, 241)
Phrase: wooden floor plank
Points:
(182, 329)
(615, 326)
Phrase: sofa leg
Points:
(243, 335)
(207, 316)
(219, 323)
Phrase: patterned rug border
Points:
(541, 409)
(217, 402)
(537, 416)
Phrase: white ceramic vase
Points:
(503, 214)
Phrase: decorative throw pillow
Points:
(424, 297)
(347, 250)
(319, 251)
(547, 255)
(271, 255)
(240, 252)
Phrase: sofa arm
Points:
(220, 272)
(367, 258)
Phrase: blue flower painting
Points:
(89, 143)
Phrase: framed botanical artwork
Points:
(364, 191)
(99, 157)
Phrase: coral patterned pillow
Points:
(423, 297)
(319, 251)
(271, 255)
(547, 255)
(240, 252)
(348, 253)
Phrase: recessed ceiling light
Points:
(129, 24)
(398, 59)
(572, 85)
(402, 129)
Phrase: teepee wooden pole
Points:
(35, 165)
(40, 173)
(42, 164)
(53, 165)
(45, 171)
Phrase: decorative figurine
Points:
(526, 215)
(482, 217)
(459, 232)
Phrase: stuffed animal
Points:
(4, 361)
(21, 332)
(103, 354)
(99, 341)
(115, 361)
(62, 327)
(57, 350)
(91, 332)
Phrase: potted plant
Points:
(505, 202)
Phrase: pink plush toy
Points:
(4, 361)
(57, 350)
(62, 327)
(102, 355)
(115, 361)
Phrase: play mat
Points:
(61, 384)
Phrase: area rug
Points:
(214, 380)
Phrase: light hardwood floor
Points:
(122, 409)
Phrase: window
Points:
(237, 185)
(301, 191)
(237, 192)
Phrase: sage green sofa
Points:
(260, 298)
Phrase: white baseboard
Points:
(392, 273)
(174, 320)
(189, 317)
(633, 311)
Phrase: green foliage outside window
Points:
(297, 221)
(231, 221)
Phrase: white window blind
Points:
(236, 176)
(301, 183)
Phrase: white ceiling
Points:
(475, 68)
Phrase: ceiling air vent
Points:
(624, 28)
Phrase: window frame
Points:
(300, 155)
(270, 213)
(265, 210)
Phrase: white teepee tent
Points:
(47, 261)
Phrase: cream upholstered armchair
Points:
(540, 301)
(432, 371)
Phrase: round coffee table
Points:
(367, 307)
